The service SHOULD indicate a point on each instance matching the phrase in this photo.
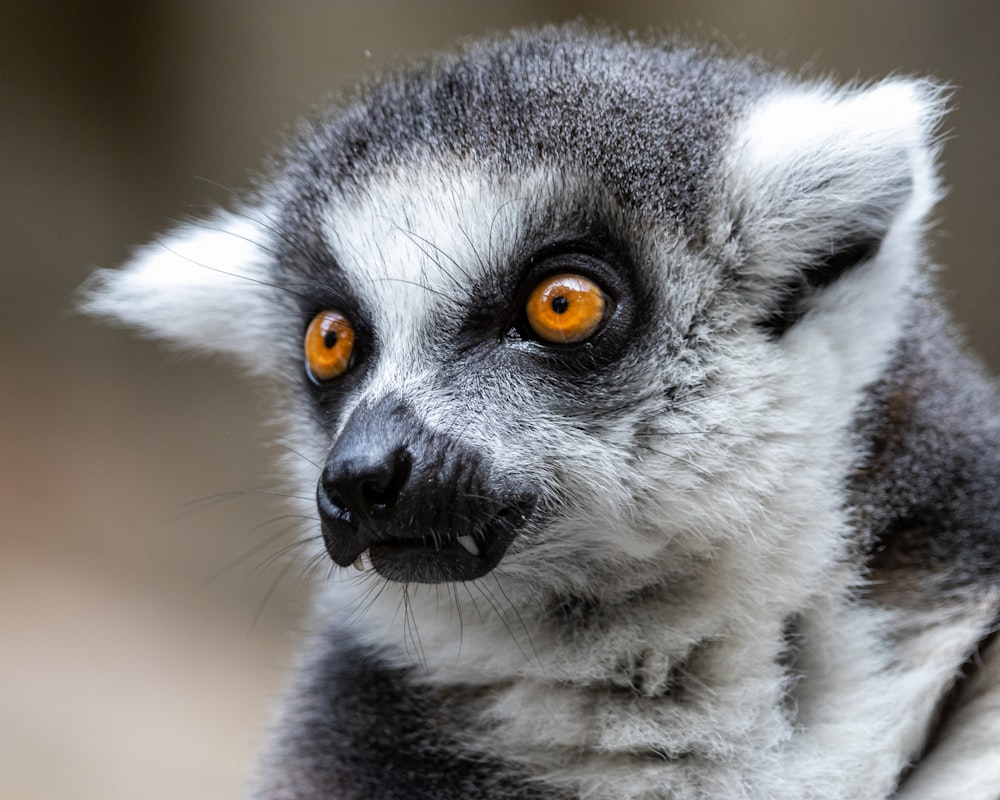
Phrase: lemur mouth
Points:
(436, 560)
(441, 557)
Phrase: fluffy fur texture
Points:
(745, 534)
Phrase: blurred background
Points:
(142, 638)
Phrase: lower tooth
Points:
(469, 544)
(359, 563)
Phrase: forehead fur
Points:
(430, 239)
(647, 118)
(445, 239)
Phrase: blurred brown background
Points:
(124, 673)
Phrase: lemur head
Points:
(565, 306)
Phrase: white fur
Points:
(959, 765)
(807, 159)
(206, 286)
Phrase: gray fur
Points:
(928, 491)
(620, 110)
(739, 543)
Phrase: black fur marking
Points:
(363, 730)
(796, 295)
(927, 495)
(838, 245)
(793, 641)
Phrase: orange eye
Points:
(328, 345)
(566, 309)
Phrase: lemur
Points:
(647, 461)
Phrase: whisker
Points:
(269, 594)
(313, 564)
(258, 281)
(496, 609)
(304, 457)
(284, 551)
(493, 222)
(700, 471)
(371, 596)
(517, 613)
(233, 494)
(693, 396)
(665, 434)
(417, 240)
(418, 284)
(410, 625)
(242, 559)
(475, 605)
(457, 606)
(264, 220)
(472, 246)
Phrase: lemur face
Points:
(478, 357)
(576, 332)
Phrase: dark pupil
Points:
(330, 339)
(560, 304)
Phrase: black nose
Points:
(415, 504)
(363, 488)
(362, 484)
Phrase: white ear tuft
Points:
(812, 169)
(818, 180)
(206, 285)
(840, 128)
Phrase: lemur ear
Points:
(817, 180)
(204, 286)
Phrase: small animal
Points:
(647, 462)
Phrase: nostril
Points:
(380, 494)
(337, 500)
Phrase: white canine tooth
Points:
(360, 563)
(469, 544)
